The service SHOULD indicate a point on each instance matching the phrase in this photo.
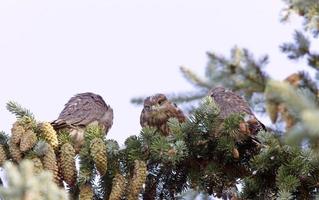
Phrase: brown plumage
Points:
(231, 103)
(82, 110)
(157, 111)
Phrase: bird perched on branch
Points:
(157, 111)
(231, 103)
(82, 110)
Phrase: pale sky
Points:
(51, 50)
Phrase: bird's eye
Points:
(160, 102)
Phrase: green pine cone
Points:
(37, 165)
(50, 163)
(67, 161)
(86, 192)
(118, 187)
(92, 131)
(3, 155)
(15, 152)
(49, 134)
(27, 122)
(98, 154)
(28, 140)
(17, 131)
(138, 179)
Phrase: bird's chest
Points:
(77, 135)
(158, 119)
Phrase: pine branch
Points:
(182, 97)
(18, 110)
(194, 79)
(308, 10)
(4, 138)
(301, 105)
(138, 100)
(307, 82)
(313, 60)
(298, 49)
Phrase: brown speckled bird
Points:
(82, 110)
(157, 111)
(231, 103)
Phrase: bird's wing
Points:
(81, 110)
(143, 118)
(178, 113)
(230, 102)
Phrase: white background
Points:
(51, 50)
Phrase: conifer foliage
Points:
(201, 154)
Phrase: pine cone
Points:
(67, 159)
(27, 122)
(28, 140)
(49, 134)
(60, 173)
(37, 165)
(50, 163)
(118, 187)
(3, 155)
(86, 192)
(17, 131)
(98, 153)
(93, 131)
(138, 179)
(15, 152)
(235, 153)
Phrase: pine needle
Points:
(18, 110)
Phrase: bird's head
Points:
(156, 106)
(216, 90)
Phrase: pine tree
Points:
(201, 154)
(286, 165)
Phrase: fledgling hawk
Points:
(156, 112)
(82, 110)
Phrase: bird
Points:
(80, 111)
(157, 111)
(230, 103)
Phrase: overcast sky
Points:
(51, 50)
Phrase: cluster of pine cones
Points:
(52, 151)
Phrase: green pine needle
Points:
(176, 129)
(159, 148)
(231, 125)
(93, 131)
(133, 150)
(64, 137)
(41, 148)
(112, 148)
(18, 110)
(285, 195)
(4, 138)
